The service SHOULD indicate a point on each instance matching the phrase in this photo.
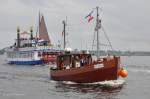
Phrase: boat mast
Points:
(64, 33)
(97, 30)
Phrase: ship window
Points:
(32, 54)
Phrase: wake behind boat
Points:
(82, 68)
(30, 50)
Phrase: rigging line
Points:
(107, 38)
(93, 40)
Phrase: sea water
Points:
(33, 82)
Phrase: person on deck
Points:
(82, 61)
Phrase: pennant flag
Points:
(89, 16)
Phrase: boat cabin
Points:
(67, 61)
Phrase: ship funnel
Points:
(18, 37)
(31, 31)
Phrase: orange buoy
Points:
(123, 72)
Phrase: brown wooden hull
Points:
(89, 74)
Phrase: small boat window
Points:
(73, 61)
(39, 54)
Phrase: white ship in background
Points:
(30, 50)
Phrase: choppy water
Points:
(33, 82)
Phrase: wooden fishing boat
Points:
(81, 67)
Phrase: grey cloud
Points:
(34, 2)
(125, 21)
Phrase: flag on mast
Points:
(89, 16)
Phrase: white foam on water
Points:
(53, 81)
(69, 82)
(110, 83)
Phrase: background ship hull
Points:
(35, 62)
(32, 57)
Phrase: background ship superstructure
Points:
(30, 50)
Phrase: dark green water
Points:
(33, 82)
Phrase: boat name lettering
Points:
(98, 66)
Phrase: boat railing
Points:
(44, 47)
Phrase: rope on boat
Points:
(93, 41)
(107, 38)
(105, 34)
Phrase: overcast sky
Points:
(126, 22)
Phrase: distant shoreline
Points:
(117, 53)
(122, 53)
